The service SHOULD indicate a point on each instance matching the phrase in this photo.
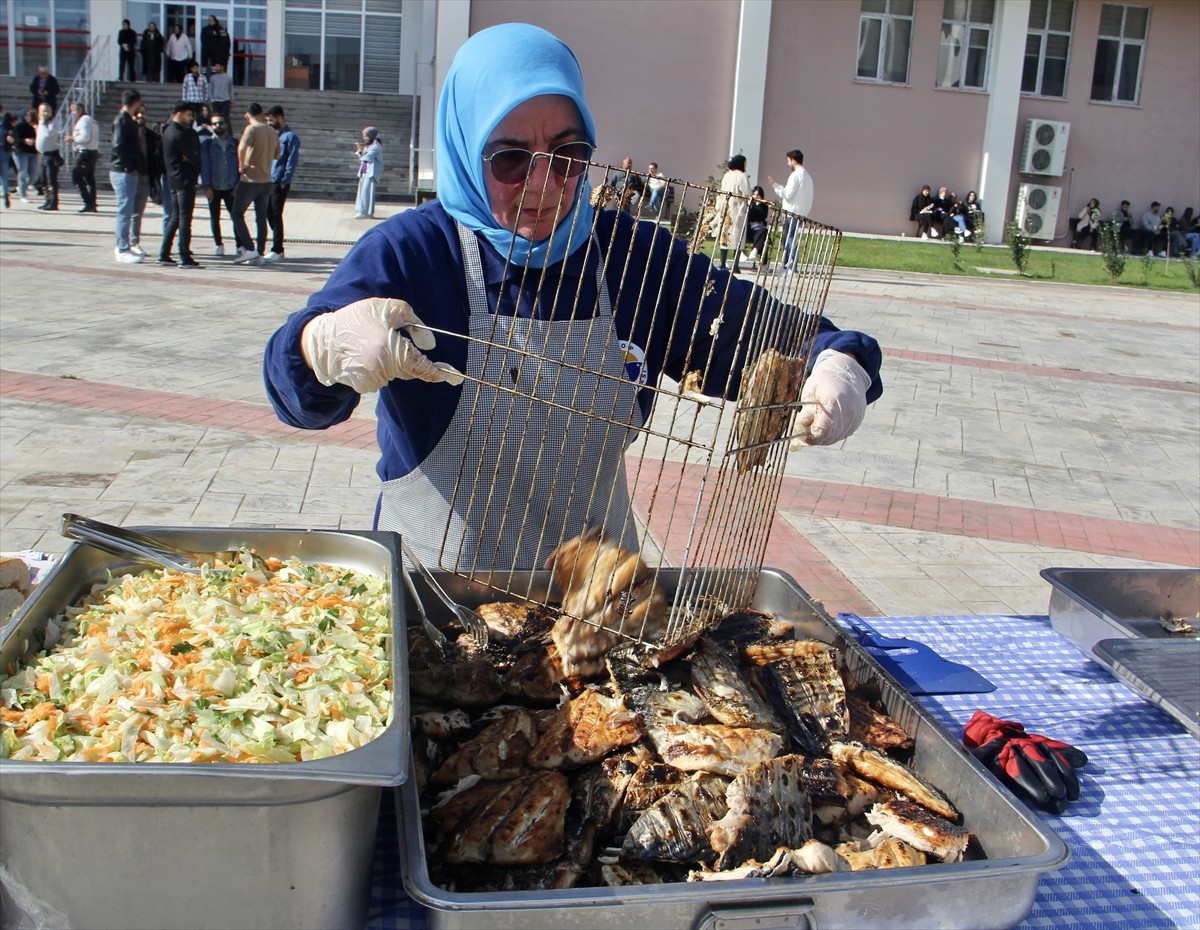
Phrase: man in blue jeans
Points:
(797, 197)
(128, 165)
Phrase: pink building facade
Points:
(883, 96)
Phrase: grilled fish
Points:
(890, 854)
(673, 828)
(585, 730)
(662, 708)
(779, 863)
(744, 628)
(878, 768)
(495, 754)
(726, 690)
(518, 822)
(919, 828)
(771, 382)
(442, 724)
(645, 778)
(816, 858)
(512, 620)
(714, 747)
(608, 592)
(807, 670)
(536, 674)
(768, 808)
(467, 684)
(879, 731)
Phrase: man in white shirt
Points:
(656, 184)
(85, 136)
(797, 196)
(46, 143)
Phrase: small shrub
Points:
(1110, 248)
(978, 230)
(1193, 270)
(1147, 264)
(1018, 246)
(954, 240)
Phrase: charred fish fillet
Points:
(673, 829)
(724, 688)
(714, 747)
(919, 828)
(890, 854)
(879, 731)
(508, 823)
(468, 684)
(495, 754)
(585, 730)
(663, 708)
(442, 724)
(808, 670)
(771, 383)
(768, 808)
(644, 777)
(878, 768)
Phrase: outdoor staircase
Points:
(327, 122)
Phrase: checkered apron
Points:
(518, 470)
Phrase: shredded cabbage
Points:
(237, 664)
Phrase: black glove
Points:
(1041, 768)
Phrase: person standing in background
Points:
(218, 175)
(153, 44)
(656, 185)
(7, 123)
(214, 45)
(25, 152)
(181, 155)
(126, 52)
(282, 173)
(179, 53)
(195, 86)
(46, 142)
(257, 150)
(370, 157)
(729, 221)
(128, 165)
(44, 89)
(797, 197)
(220, 89)
(85, 136)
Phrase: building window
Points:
(884, 40)
(1120, 51)
(1047, 47)
(966, 39)
(343, 45)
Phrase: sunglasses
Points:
(511, 166)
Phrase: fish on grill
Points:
(607, 592)
(468, 684)
(518, 822)
(585, 729)
(514, 620)
(535, 675)
(770, 384)
(726, 690)
(595, 798)
(714, 747)
(659, 707)
(876, 767)
(919, 828)
(889, 854)
(645, 778)
(807, 670)
(674, 828)
(875, 729)
(497, 753)
(743, 628)
(768, 808)
(442, 724)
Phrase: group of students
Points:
(946, 215)
(1158, 232)
(174, 161)
(177, 50)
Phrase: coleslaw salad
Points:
(285, 663)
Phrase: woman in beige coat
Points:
(729, 216)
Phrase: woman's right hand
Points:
(366, 344)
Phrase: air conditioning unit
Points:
(1045, 148)
(1037, 209)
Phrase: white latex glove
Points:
(362, 346)
(835, 398)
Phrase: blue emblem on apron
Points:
(635, 362)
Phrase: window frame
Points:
(886, 19)
(1044, 33)
(1122, 43)
(968, 26)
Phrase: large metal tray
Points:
(199, 845)
(996, 891)
(1166, 673)
(1091, 604)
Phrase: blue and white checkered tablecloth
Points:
(1133, 833)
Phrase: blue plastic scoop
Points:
(916, 666)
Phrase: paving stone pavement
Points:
(1023, 425)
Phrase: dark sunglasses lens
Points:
(571, 159)
(510, 166)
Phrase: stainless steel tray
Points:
(1166, 673)
(1091, 604)
(145, 845)
(996, 891)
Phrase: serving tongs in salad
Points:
(118, 540)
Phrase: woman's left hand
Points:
(834, 398)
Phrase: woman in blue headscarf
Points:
(482, 318)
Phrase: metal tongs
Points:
(118, 540)
(471, 622)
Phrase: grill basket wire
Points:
(703, 490)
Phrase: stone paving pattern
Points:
(1024, 425)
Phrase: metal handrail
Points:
(85, 88)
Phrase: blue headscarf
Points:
(494, 71)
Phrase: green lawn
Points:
(935, 257)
